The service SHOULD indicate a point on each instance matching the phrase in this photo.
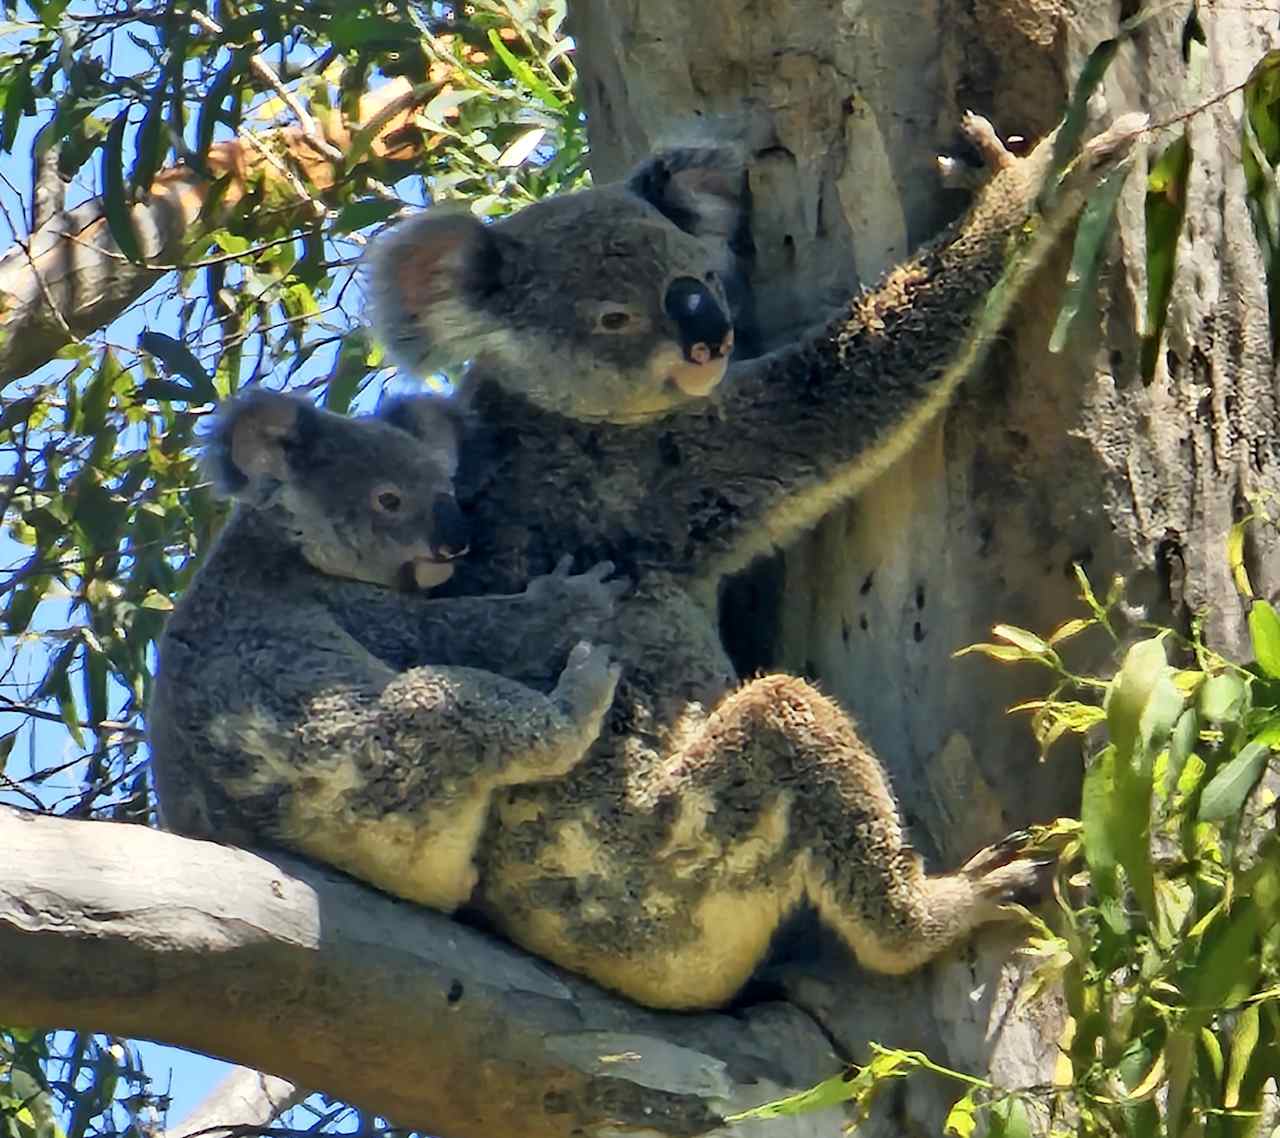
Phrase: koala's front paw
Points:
(588, 682)
(588, 595)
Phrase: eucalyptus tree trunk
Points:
(1044, 460)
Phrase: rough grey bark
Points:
(1043, 461)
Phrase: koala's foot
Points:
(1020, 882)
(587, 683)
(982, 136)
(1005, 873)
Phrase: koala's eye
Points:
(387, 500)
(615, 321)
(710, 278)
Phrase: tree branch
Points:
(244, 1100)
(71, 279)
(291, 969)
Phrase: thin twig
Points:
(264, 71)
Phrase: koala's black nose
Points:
(449, 535)
(706, 332)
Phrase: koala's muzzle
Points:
(449, 541)
(706, 335)
(450, 537)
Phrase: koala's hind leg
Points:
(778, 739)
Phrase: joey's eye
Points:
(614, 321)
(710, 278)
(387, 500)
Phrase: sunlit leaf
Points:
(1243, 1042)
(522, 147)
(1144, 665)
(524, 74)
(962, 1118)
(1230, 786)
(1223, 699)
(1264, 630)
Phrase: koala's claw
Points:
(982, 136)
(997, 854)
(588, 680)
(1020, 882)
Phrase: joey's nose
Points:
(706, 333)
(449, 536)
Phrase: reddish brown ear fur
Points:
(700, 189)
(422, 276)
(248, 438)
(430, 253)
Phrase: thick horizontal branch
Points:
(293, 970)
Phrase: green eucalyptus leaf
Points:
(115, 197)
(1231, 784)
(1264, 631)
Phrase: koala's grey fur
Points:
(663, 863)
(538, 287)
(303, 701)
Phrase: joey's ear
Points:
(701, 189)
(252, 437)
(435, 420)
(422, 275)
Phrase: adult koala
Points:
(663, 864)
(307, 698)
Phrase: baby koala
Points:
(308, 698)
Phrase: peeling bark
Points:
(243, 1098)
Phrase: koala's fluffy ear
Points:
(252, 437)
(420, 274)
(435, 420)
(701, 189)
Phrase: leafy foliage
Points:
(1165, 936)
(105, 507)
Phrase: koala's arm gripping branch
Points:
(837, 408)
(291, 969)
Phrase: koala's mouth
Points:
(695, 369)
(425, 573)
(698, 379)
